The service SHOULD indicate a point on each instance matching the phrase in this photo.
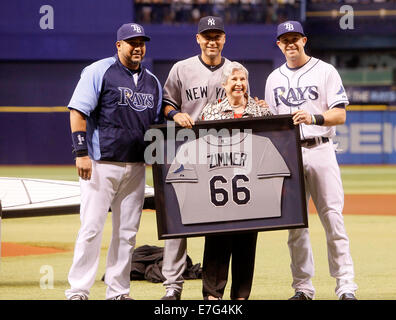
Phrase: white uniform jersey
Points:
(191, 84)
(238, 177)
(315, 87)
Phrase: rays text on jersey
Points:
(137, 101)
(294, 97)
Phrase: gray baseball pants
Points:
(174, 263)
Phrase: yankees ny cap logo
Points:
(211, 22)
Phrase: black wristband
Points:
(80, 146)
(172, 113)
(81, 153)
(319, 119)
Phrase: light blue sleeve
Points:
(159, 117)
(86, 94)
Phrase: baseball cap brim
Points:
(211, 29)
(289, 32)
(145, 38)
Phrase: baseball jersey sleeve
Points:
(335, 90)
(172, 88)
(86, 94)
(181, 173)
(272, 164)
(181, 170)
(159, 114)
(268, 96)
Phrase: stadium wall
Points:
(368, 137)
(39, 69)
(41, 135)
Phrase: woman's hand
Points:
(261, 103)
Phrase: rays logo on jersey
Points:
(342, 91)
(136, 100)
(294, 97)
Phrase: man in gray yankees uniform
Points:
(191, 84)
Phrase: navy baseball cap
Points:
(131, 30)
(210, 23)
(289, 26)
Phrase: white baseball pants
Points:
(121, 187)
(323, 183)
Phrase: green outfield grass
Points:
(51, 172)
(369, 179)
(372, 246)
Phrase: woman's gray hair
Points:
(230, 68)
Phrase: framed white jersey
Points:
(232, 175)
(232, 182)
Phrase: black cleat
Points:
(122, 297)
(171, 294)
(348, 296)
(212, 298)
(300, 296)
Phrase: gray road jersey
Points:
(191, 85)
(231, 180)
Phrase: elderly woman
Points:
(242, 246)
(238, 103)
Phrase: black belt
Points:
(308, 143)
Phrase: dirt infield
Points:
(367, 204)
(9, 249)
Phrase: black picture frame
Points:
(285, 137)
